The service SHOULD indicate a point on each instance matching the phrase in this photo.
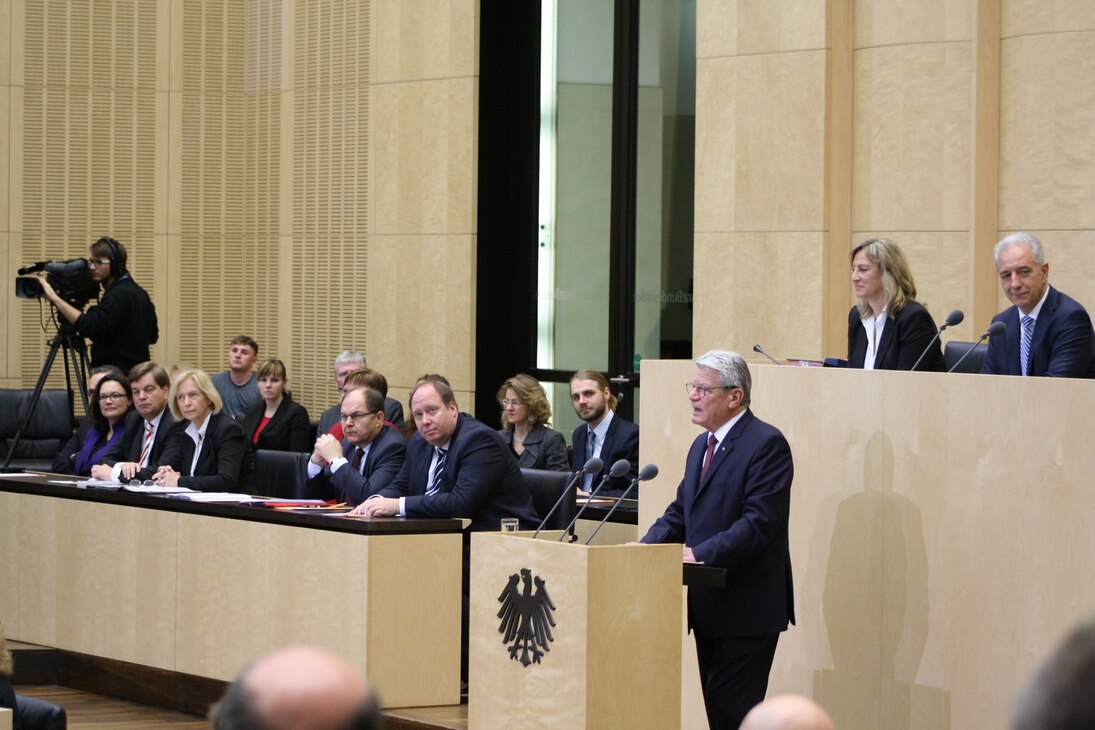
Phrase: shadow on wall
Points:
(875, 606)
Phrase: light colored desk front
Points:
(942, 531)
(205, 595)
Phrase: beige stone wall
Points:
(942, 124)
(302, 171)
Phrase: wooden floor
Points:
(86, 710)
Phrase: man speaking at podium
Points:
(731, 511)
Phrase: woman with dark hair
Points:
(277, 423)
(525, 417)
(111, 399)
(888, 329)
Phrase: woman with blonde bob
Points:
(888, 329)
(206, 452)
(525, 417)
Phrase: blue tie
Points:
(591, 439)
(1024, 343)
(435, 484)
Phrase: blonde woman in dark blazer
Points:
(525, 415)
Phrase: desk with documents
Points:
(204, 588)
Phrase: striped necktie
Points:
(147, 448)
(435, 483)
(1024, 343)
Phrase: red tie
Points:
(143, 461)
(712, 442)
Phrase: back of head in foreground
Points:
(787, 712)
(303, 688)
(1059, 696)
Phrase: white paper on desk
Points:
(213, 497)
(154, 489)
(17, 474)
(96, 484)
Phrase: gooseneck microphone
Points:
(997, 329)
(593, 466)
(955, 317)
(621, 467)
(758, 348)
(648, 472)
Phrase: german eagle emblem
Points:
(526, 618)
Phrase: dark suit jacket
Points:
(288, 430)
(905, 336)
(129, 448)
(65, 462)
(1063, 344)
(621, 442)
(545, 448)
(481, 480)
(382, 463)
(218, 467)
(737, 519)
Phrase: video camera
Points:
(70, 279)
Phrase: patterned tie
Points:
(356, 463)
(712, 442)
(1024, 343)
(591, 442)
(143, 461)
(435, 485)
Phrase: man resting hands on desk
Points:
(731, 511)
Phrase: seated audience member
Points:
(298, 687)
(888, 329)
(67, 454)
(1048, 332)
(7, 692)
(207, 453)
(1059, 696)
(347, 362)
(365, 378)
(148, 425)
(525, 417)
(365, 461)
(105, 426)
(787, 712)
(277, 422)
(238, 386)
(605, 435)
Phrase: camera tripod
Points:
(75, 359)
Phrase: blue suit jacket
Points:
(621, 442)
(382, 463)
(481, 480)
(737, 519)
(1063, 345)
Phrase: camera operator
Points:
(123, 324)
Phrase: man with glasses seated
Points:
(123, 324)
(366, 459)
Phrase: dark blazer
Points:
(621, 442)
(905, 336)
(288, 430)
(481, 480)
(65, 462)
(545, 448)
(129, 448)
(218, 467)
(1063, 344)
(384, 460)
(736, 519)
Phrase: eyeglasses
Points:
(506, 403)
(114, 397)
(99, 262)
(703, 390)
(355, 416)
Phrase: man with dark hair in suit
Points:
(1048, 332)
(350, 361)
(137, 454)
(731, 511)
(604, 434)
(1058, 696)
(365, 461)
(298, 687)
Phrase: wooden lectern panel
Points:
(615, 657)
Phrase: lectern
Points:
(569, 636)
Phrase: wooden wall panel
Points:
(899, 23)
(744, 27)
